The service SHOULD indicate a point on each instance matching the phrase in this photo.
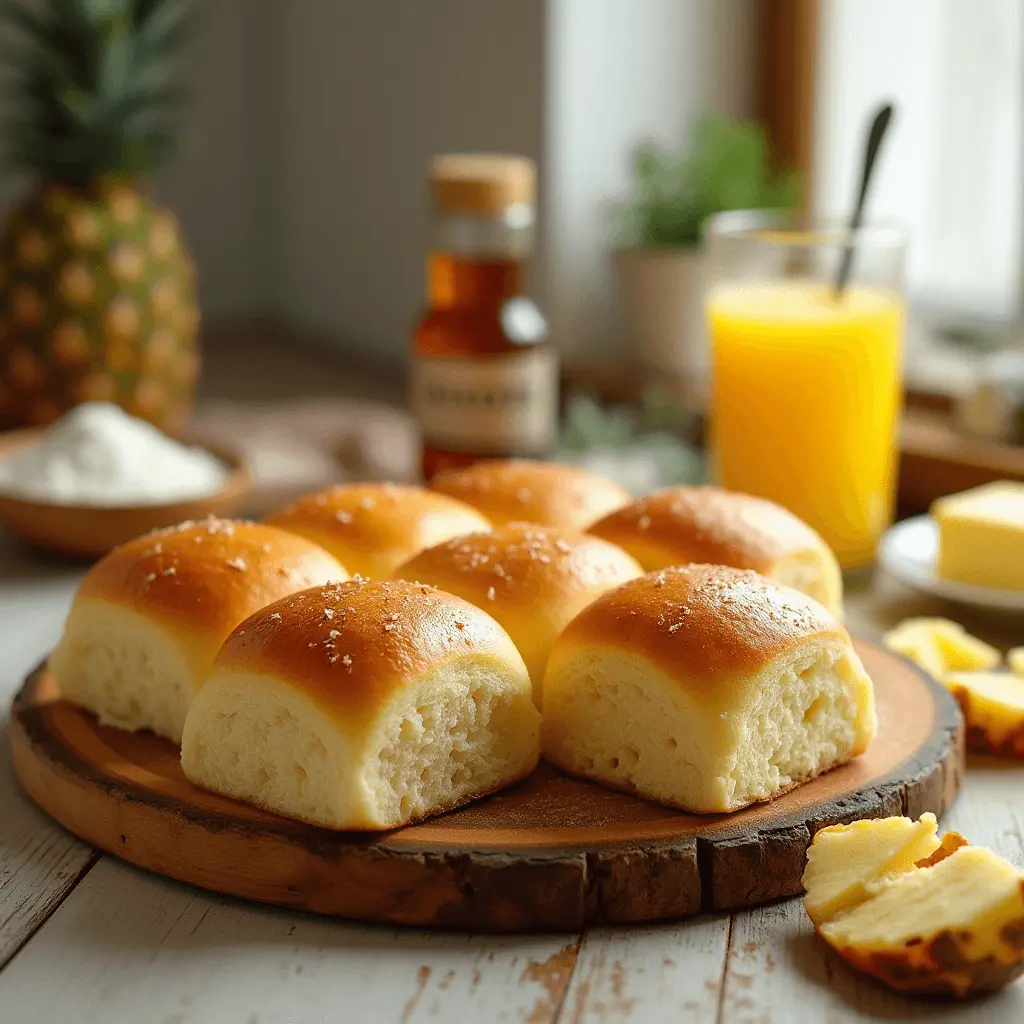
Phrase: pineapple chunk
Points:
(941, 646)
(843, 858)
(951, 924)
(1015, 659)
(993, 707)
(954, 929)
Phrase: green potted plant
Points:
(657, 232)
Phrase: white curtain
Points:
(953, 168)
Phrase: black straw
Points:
(879, 125)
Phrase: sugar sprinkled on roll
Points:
(706, 688)
(149, 617)
(363, 705)
(520, 490)
(532, 579)
(373, 528)
(711, 525)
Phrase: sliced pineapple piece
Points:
(993, 707)
(953, 929)
(941, 646)
(920, 650)
(1015, 659)
(844, 858)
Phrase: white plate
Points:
(909, 550)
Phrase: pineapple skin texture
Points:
(993, 726)
(97, 303)
(951, 965)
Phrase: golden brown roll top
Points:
(533, 579)
(705, 687)
(521, 490)
(149, 617)
(372, 528)
(203, 578)
(350, 646)
(710, 525)
(363, 705)
(705, 625)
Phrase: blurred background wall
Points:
(301, 180)
(620, 73)
(365, 95)
(218, 183)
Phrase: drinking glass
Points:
(807, 378)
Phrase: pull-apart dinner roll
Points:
(532, 579)
(363, 706)
(707, 688)
(707, 524)
(374, 528)
(524, 491)
(149, 618)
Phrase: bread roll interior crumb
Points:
(457, 735)
(149, 617)
(401, 703)
(631, 726)
(126, 669)
(705, 688)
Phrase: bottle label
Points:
(503, 404)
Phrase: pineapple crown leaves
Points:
(93, 86)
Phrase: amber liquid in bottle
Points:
(483, 376)
(465, 298)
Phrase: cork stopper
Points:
(482, 182)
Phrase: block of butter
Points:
(981, 536)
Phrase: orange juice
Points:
(806, 403)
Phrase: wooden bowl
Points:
(88, 531)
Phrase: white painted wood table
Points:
(86, 938)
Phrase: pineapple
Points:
(97, 287)
(941, 646)
(950, 923)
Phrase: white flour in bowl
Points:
(98, 454)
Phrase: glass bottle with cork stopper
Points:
(484, 375)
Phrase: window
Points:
(953, 169)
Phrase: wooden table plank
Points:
(39, 862)
(670, 972)
(989, 811)
(779, 971)
(134, 947)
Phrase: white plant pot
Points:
(662, 296)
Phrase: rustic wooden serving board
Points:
(551, 853)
